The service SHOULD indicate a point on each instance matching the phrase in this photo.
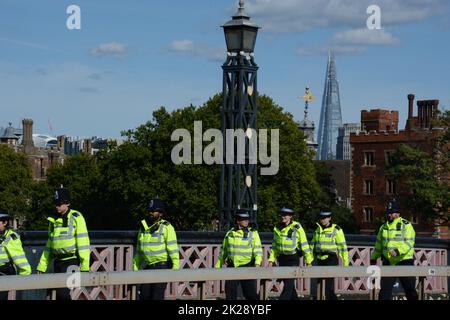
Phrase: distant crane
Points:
(50, 127)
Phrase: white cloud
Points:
(182, 46)
(199, 50)
(344, 49)
(303, 15)
(353, 41)
(25, 44)
(364, 37)
(111, 48)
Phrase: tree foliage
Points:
(425, 173)
(112, 188)
(15, 182)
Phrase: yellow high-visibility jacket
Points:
(241, 247)
(156, 243)
(288, 240)
(67, 238)
(11, 251)
(329, 240)
(398, 235)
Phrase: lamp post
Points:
(239, 111)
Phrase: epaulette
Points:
(297, 226)
(405, 221)
(337, 227)
(166, 223)
(14, 236)
(76, 214)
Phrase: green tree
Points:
(81, 175)
(41, 205)
(112, 188)
(294, 185)
(326, 199)
(192, 190)
(426, 191)
(15, 182)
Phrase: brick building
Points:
(371, 150)
(40, 158)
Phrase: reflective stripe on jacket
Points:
(241, 247)
(67, 237)
(11, 251)
(398, 235)
(330, 240)
(286, 241)
(156, 243)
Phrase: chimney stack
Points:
(411, 106)
(87, 146)
(28, 135)
(61, 143)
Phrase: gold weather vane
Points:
(308, 97)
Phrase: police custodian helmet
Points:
(61, 195)
(392, 206)
(157, 205)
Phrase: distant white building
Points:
(44, 141)
(343, 150)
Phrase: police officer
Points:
(328, 243)
(289, 244)
(68, 241)
(12, 256)
(241, 247)
(157, 248)
(395, 246)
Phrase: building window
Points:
(369, 158)
(414, 219)
(391, 187)
(388, 156)
(368, 186)
(368, 214)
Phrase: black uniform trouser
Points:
(332, 260)
(248, 287)
(154, 291)
(6, 270)
(289, 292)
(61, 266)
(408, 283)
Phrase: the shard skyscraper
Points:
(330, 115)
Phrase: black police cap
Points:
(4, 215)
(242, 214)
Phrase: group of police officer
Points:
(68, 246)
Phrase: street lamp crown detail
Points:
(240, 32)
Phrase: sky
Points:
(131, 57)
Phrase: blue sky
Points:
(130, 57)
